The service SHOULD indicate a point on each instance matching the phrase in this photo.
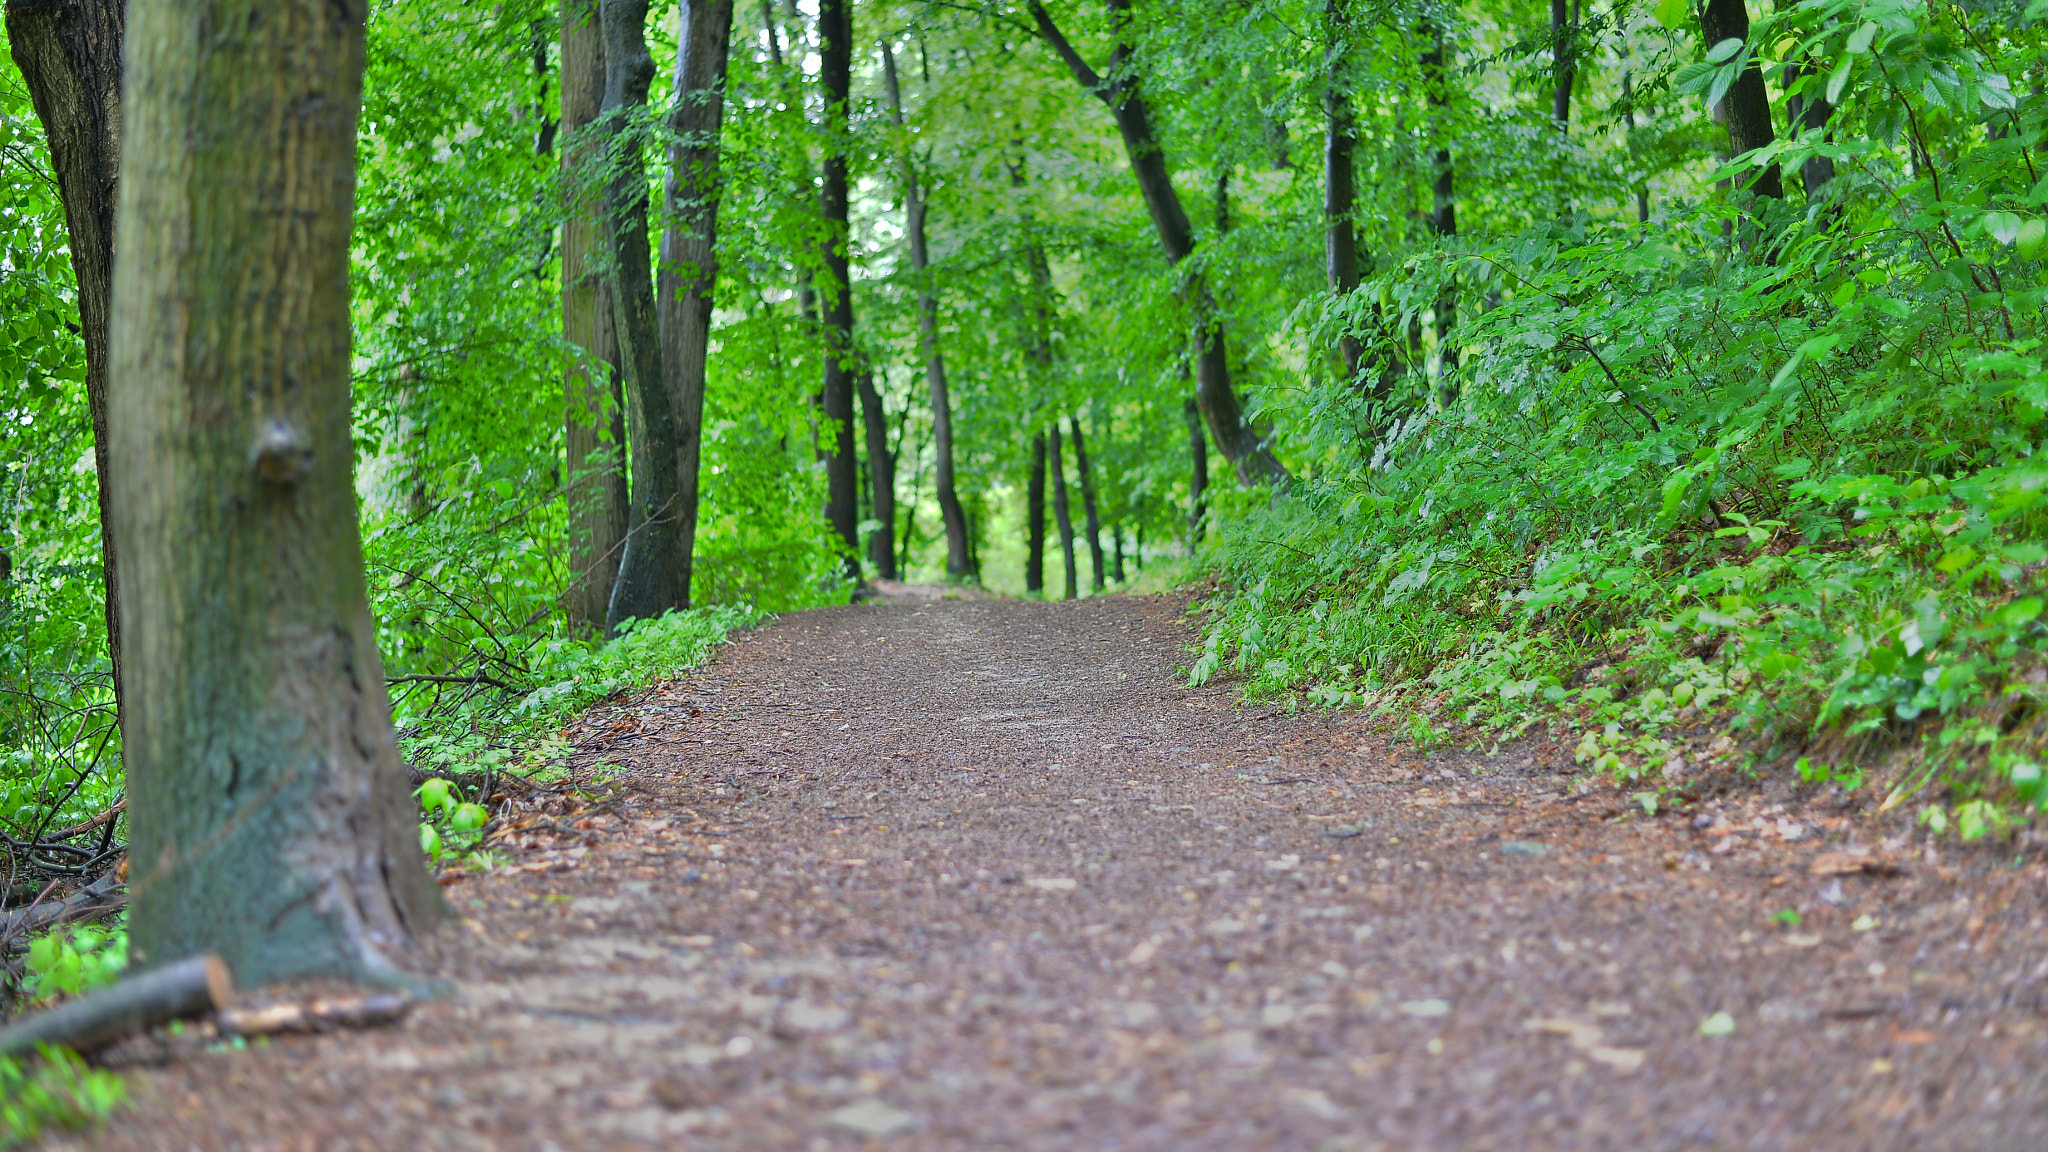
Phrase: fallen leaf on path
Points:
(1851, 861)
(1344, 832)
(1622, 1060)
(870, 1118)
(1581, 1035)
(1426, 1008)
(1287, 863)
(1051, 883)
(1912, 1036)
(1142, 954)
(1719, 1024)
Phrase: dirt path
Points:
(984, 875)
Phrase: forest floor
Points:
(989, 875)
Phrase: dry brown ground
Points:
(988, 875)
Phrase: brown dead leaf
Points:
(1853, 860)
(1912, 1036)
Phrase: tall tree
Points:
(914, 209)
(270, 814)
(594, 435)
(689, 249)
(835, 75)
(1034, 511)
(69, 52)
(881, 475)
(1060, 509)
(1340, 177)
(1443, 215)
(1747, 104)
(1093, 520)
(1198, 480)
(651, 571)
(1217, 400)
(1564, 31)
(1805, 111)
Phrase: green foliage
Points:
(69, 961)
(58, 1090)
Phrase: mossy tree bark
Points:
(69, 53)
(650, 570)
(689, 248)
(594, 437)
(270, 815)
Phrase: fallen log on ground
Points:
(102, 897)
(315, 1016)
(181, 991)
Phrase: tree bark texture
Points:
(881, 476)
(1241, 445)
(69, 52)
(1805, 112)
(1443, 216)
(689, 249)
(1034, 543)
(958, 566)
(1092, 519)
(593, 437)
(271, 820)
(650, 571)
(835, 74)
(1747, 104)
(1340, 181)
(1564, 27)
(1061, 510)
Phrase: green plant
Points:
(57, 1090)
(72, 960)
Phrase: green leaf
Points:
(1724, 51)
(2030, 237)
(1839, 79)
(1860, 39)
(1674, 14)
(2003, 227)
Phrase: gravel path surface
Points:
(987, 875)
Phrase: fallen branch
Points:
(102, 897)
(316, 1016)
(181, 991)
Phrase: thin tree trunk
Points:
(835, 53)
(689, 249)
(1218, 402)
(1747, 104)
(69, 53)
(1628, 96)
(1564, 27)
(1034, 555)
(593, 438)
(1117, 533)
(1198, 481)
(1340, 181)
(1094, 521)
(1061, 512)
(650, 572)
(914, 212)
(1443, 217)
(881, 474)
(1812, 111)
(270, 816)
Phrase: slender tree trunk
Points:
(1340, 194)
(1034, 555)
(1807, 112)
(1060, 510)
(1198, 481)
(593, 438)
(835, 53)
(651, 571)
(882, 476)
(1117, 533)
(1564, 28)
(69, 53)
(1094, 521)
(1443, 217)
(1241, 444)
(1628, 96)
(270, 817)
(689, 250)
(914, 212)
(1747, 104)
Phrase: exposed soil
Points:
(988, 875)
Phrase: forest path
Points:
(853, 904)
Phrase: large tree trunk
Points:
(957, 565)
(1093, 519)
(1060, 509)
(835, 74)
(881, 476)
(689, 249)
(1747, 104)
(69, 52)
(594, 434)
(270, 814)
(650, 572)
(1241, 445)
(1034, 529)
(1340, 180)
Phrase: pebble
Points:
(1525, 848)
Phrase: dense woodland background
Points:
(1619, 366)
